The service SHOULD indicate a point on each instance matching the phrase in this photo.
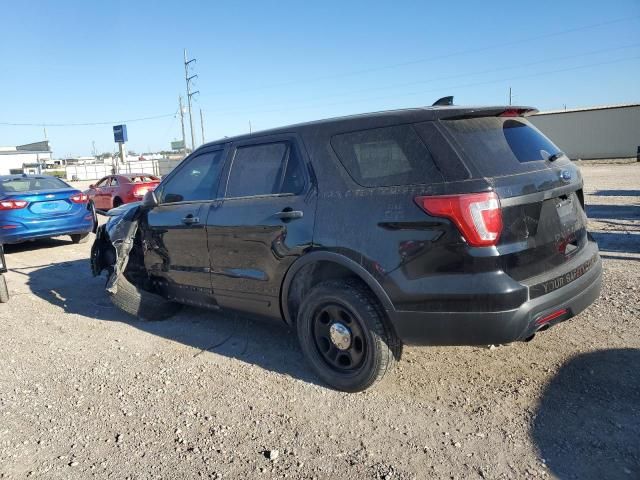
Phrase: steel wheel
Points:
(339, 337)
(343, 334)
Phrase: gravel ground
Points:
(86, 391)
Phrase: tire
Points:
(79, 237)
(372, 348)
(117, 202)
(4, 290)
(140, 303)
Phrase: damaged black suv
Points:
(429, 226)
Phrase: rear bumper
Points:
(24, 234)
(495, 327)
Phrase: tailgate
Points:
(540, 190)
(543, 229)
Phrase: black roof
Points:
(382, 118)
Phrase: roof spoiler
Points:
(509, 111)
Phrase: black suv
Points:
(428, 226)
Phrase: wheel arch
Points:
(315, 267)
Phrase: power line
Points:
(449, 77)
(173, 121)
(448, 88)
(436, 57)
(85, 124)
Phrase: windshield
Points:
(502, 146)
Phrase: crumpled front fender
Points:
(114, 240)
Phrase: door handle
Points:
(190, 220)
(288, 214)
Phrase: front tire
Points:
(140, 303)
(79, 237)
(344, 335)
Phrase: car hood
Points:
(124, 209)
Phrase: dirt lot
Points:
(87, 391)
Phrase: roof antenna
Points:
(444, 101)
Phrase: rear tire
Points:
(140, 303)
(345, 337)
(4, 290)
(117, 202)
(79, 237)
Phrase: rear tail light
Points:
(477, 215)
(12, 204)
(140, 191)
(517, 112)
(79, 198)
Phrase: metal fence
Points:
(95, 171)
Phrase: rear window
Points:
(30, 184)
(386, 156)
(143, 179)
(501, 146)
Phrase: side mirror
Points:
(150, 200)
(92, 186)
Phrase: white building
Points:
(611, 131)
(13, 159)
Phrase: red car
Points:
(115, 190)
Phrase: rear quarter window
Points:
(499, 146)
(386, 156)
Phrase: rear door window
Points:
(266, 169)
(386, 156)
(500, 146)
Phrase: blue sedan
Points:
(39, 206)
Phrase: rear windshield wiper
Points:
(555, 156)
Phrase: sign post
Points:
(120, 137)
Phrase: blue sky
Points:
(273, 63)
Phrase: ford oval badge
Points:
(565, 176)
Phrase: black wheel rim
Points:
(333, 322)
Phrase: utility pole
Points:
(202, 125)
(190, 94)
(510, 96)
(123, 157)
(181, 108)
